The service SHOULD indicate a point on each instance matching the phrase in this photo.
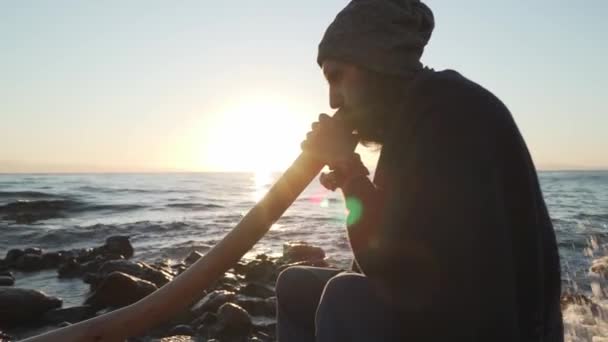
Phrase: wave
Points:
(194, 206)
(90, 235)
(593, 217)
(26, 211)
(27, 195)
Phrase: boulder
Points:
(7, 280)
(212, 301)
(33, 250)
(233, 322)
(301, 251)
(136, 269)
(257, 290)
(18, 306)
(182, 329)
(70, 269)
(264, 271)
(52, 259)
(257, 306)
(30, 262)
(71, 315)
(12, 256)
(119, 289)
(119, 244)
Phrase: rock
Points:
(119, 244)
(33, 250)
(119, 289)
(70, 269)
(257, 290)
(30, 262)
(139, 270)
(207, 319)
(92, 279)
(192, 257)
(52, 259)
(71, 315)
(12, 256)
(155, 275)
(233, 322)
(261, 271)
(23, 305)
(301, 251)
(212, 301)
(313, 263)
(182, 329)
(257, 306)
(7, 281)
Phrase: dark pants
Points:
(324, 304)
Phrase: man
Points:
(452, 237)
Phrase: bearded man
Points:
(452, 237)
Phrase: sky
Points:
(98, 86)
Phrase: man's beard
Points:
(374, 111)
(371, 121)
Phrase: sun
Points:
(258, 135)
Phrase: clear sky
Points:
(233, 85)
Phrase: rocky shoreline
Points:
(241, 306)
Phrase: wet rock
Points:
(71, 315)
(70, 269)
(33, 250)
(52, 259)
(301, 251)
(257, 290)
(12, 256)
(119, 244)
(7, 281)
(119, 289)
(139, 270)
(203, 322)
(182, 329)
(212, 301)
(30, 262)
(313, 263)
(233, 322)
(261, 271)
(23, 305)
(93, 279)
(257, 306)
(192, 258)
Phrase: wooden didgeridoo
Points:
(176, 295)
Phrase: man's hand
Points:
(330, 140)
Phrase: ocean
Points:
(169, 215)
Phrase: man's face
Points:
(359, 96)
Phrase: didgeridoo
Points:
(169, 300)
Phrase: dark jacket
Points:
(463, 246)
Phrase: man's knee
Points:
(347, 285)
(288, 281)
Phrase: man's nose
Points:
(336, 100)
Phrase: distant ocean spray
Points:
(168, 215)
